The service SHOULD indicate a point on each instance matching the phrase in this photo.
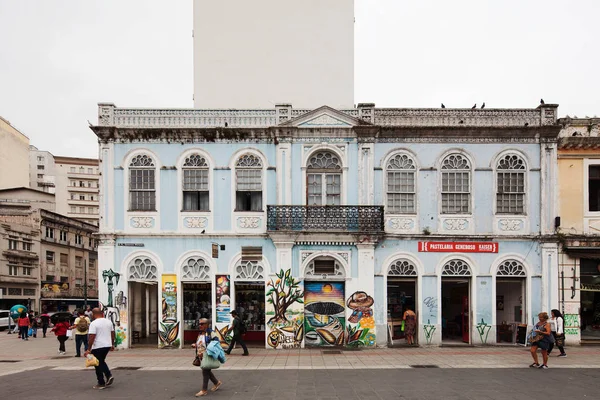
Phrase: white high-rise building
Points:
(255, 54)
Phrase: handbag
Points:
(69, 333)
(560, 340)
(30, 332)
(209, 362)
(196, 362)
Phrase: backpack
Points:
(243, 327)
(83, 324)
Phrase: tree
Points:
(283, 293)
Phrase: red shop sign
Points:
(458, 247)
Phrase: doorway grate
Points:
(423, 366)
(329, 352)
(127, 368)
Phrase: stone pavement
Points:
(17, 356)
(422, 384)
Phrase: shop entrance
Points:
(197, 303)
(250, 305)
(324, 313)
(143, 313)
(590, 300)
(456, 308)
(510, 293)
(401, 294)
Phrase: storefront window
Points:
(250, 304)
(196, 304)
(590, 299)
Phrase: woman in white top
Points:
(558, 331)
(204, 337)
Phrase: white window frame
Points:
(206, 168)
(587, 163)
(415, 171)
(525, 173)
(441, 180)
(340, 152)
(324, 174)
(259, 168)
(129, 214)
(142, 168)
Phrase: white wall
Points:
(14, 157)
(253, 54)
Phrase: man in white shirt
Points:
(101, 341)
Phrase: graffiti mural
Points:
(285, 312)
(571, 324)
(223, 298)
(168, 328)
(324, 313)
(110, 275)
(360, 330)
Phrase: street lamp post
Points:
(85, 284)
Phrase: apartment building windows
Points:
(13, 244)
(72, 169)
(50, 233)
(40, 167)
(40, 176)
(40, 158)
(50, 278)
(456, 185)
(73, 209)
(27, 271)
(50, 257)
(13, 270)
(63, 236)
(78, 239)
(401, 184)
(594, 187)
(78, 261)
(26, 246)
(248, 172)
(510, 191)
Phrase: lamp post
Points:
(85, 284)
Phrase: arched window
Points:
(248, 173)
(249, 270)
(324, 179)
(456, 268)
(195, 269)
(401, 170)
(510, 192)
(142, 184)
(402, 267)
(324, 267)
(511, 268)
(142, 268)
(195, 184)
(456, 185)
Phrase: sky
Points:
(60, 58)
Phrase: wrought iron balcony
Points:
(359, 219)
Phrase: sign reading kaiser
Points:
(458, 247)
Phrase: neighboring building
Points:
(42, 173)
(321, 226)
(14, 156)
(73, 180)
(254, 54)
(68, 257)
(579, 194)
(19, 256)
(46, 254)
(77, 188)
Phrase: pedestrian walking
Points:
(23, 324)
(557, 323)
(101, 341)
(238, 329)
(34, 324)
(542, 339)
(45, 318)
(88, 312)
(81, 326)
(60, 330)
(410, 324)
(204, 338)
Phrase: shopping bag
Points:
(209, 362)
(402, 326)
(91, 361)
(69, 334)
(30, 332)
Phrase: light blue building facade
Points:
(322, 227)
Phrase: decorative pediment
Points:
(324, 117)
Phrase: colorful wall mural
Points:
(360, 329)
(223, 299)
(115, 310)
(324, 313)
(168, 328)
(285, 311)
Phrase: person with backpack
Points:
(81, 326)
(239, 329)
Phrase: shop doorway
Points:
(143, 313)
(250, 305)
(324, 313)
(401, 294)
(197, 303)
(590, 300)
(456, 309)
(510, 295)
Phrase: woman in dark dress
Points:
(543, 333)
(410, 324)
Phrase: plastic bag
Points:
(91, 361)
(69, 333)
(402, 326)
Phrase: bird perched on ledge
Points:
(483, 105)
(443, 106)
(474, 106)
(542, 102)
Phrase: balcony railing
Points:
(359, 219)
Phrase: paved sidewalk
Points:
(17, 355)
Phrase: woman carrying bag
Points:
(205, 336)
(558, 331)
(541, 338)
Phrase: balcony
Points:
(339, 219)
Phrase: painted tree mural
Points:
(282, 293)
